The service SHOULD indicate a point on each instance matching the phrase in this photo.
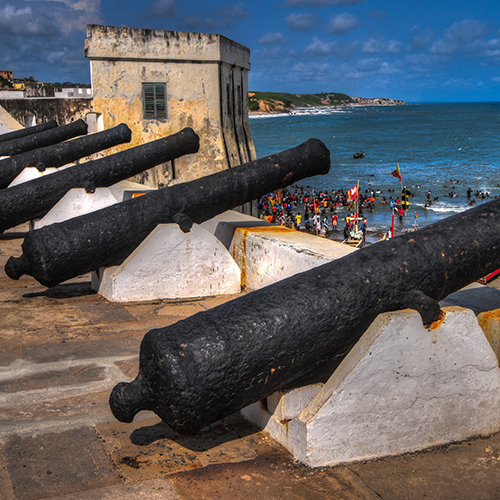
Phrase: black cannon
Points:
(23, 132)
(62, 153)
(216, 362)
(44, 138)
(62, 251)
(35, 198)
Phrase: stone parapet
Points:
(111, 43)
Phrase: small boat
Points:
(359, 154)
(353, 235)
(355, 240)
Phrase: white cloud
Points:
(272, 39)
(459, 37)
(162, 8)
(338, 49)
(343, 23)
(369, 65)
(234, 11)
(377, 45)
(218, 18)
(422, 39)
(45, 39)
(492, 48)
(394, 47)
(23, 22)
(69, 15)
(388, 69)
(373, 46)
(302, 22)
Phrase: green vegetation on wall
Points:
(282, 100)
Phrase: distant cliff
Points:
(278, 102)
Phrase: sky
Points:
(413, 50)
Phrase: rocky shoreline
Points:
(275, 106)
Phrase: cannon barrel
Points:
(62, 153)
(35, 198)
(106, 237)
(44, 138)
(216, 362)
(23, 132)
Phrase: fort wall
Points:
(202, 81)
(35, 111)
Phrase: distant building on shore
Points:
(8, 75)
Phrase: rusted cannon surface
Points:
(35, 198)
(58, 252)
(62, 153)
(216, 362)
(44, 138)
(23, 132)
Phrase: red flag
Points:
(353, 193)
(397, 173)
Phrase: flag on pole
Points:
(353, 193)
(404, 198)
(397, 173)
(279, 197)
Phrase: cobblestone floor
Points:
(61, 352)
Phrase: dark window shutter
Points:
(160, 98)
(155, 100)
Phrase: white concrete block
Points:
(400, 389)
(285, 405)
(170, 264)
(30, 173)
(269, 254)
(7, 121)
(76, 202)
(225, 224)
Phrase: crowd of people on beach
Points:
(315, 211)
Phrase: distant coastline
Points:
(264, 103)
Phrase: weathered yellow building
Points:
(158, 82)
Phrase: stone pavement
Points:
(61, 352)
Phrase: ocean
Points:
(444, 149)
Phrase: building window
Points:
(155, 100)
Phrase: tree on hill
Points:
(5, 83)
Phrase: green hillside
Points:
(275, 101)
